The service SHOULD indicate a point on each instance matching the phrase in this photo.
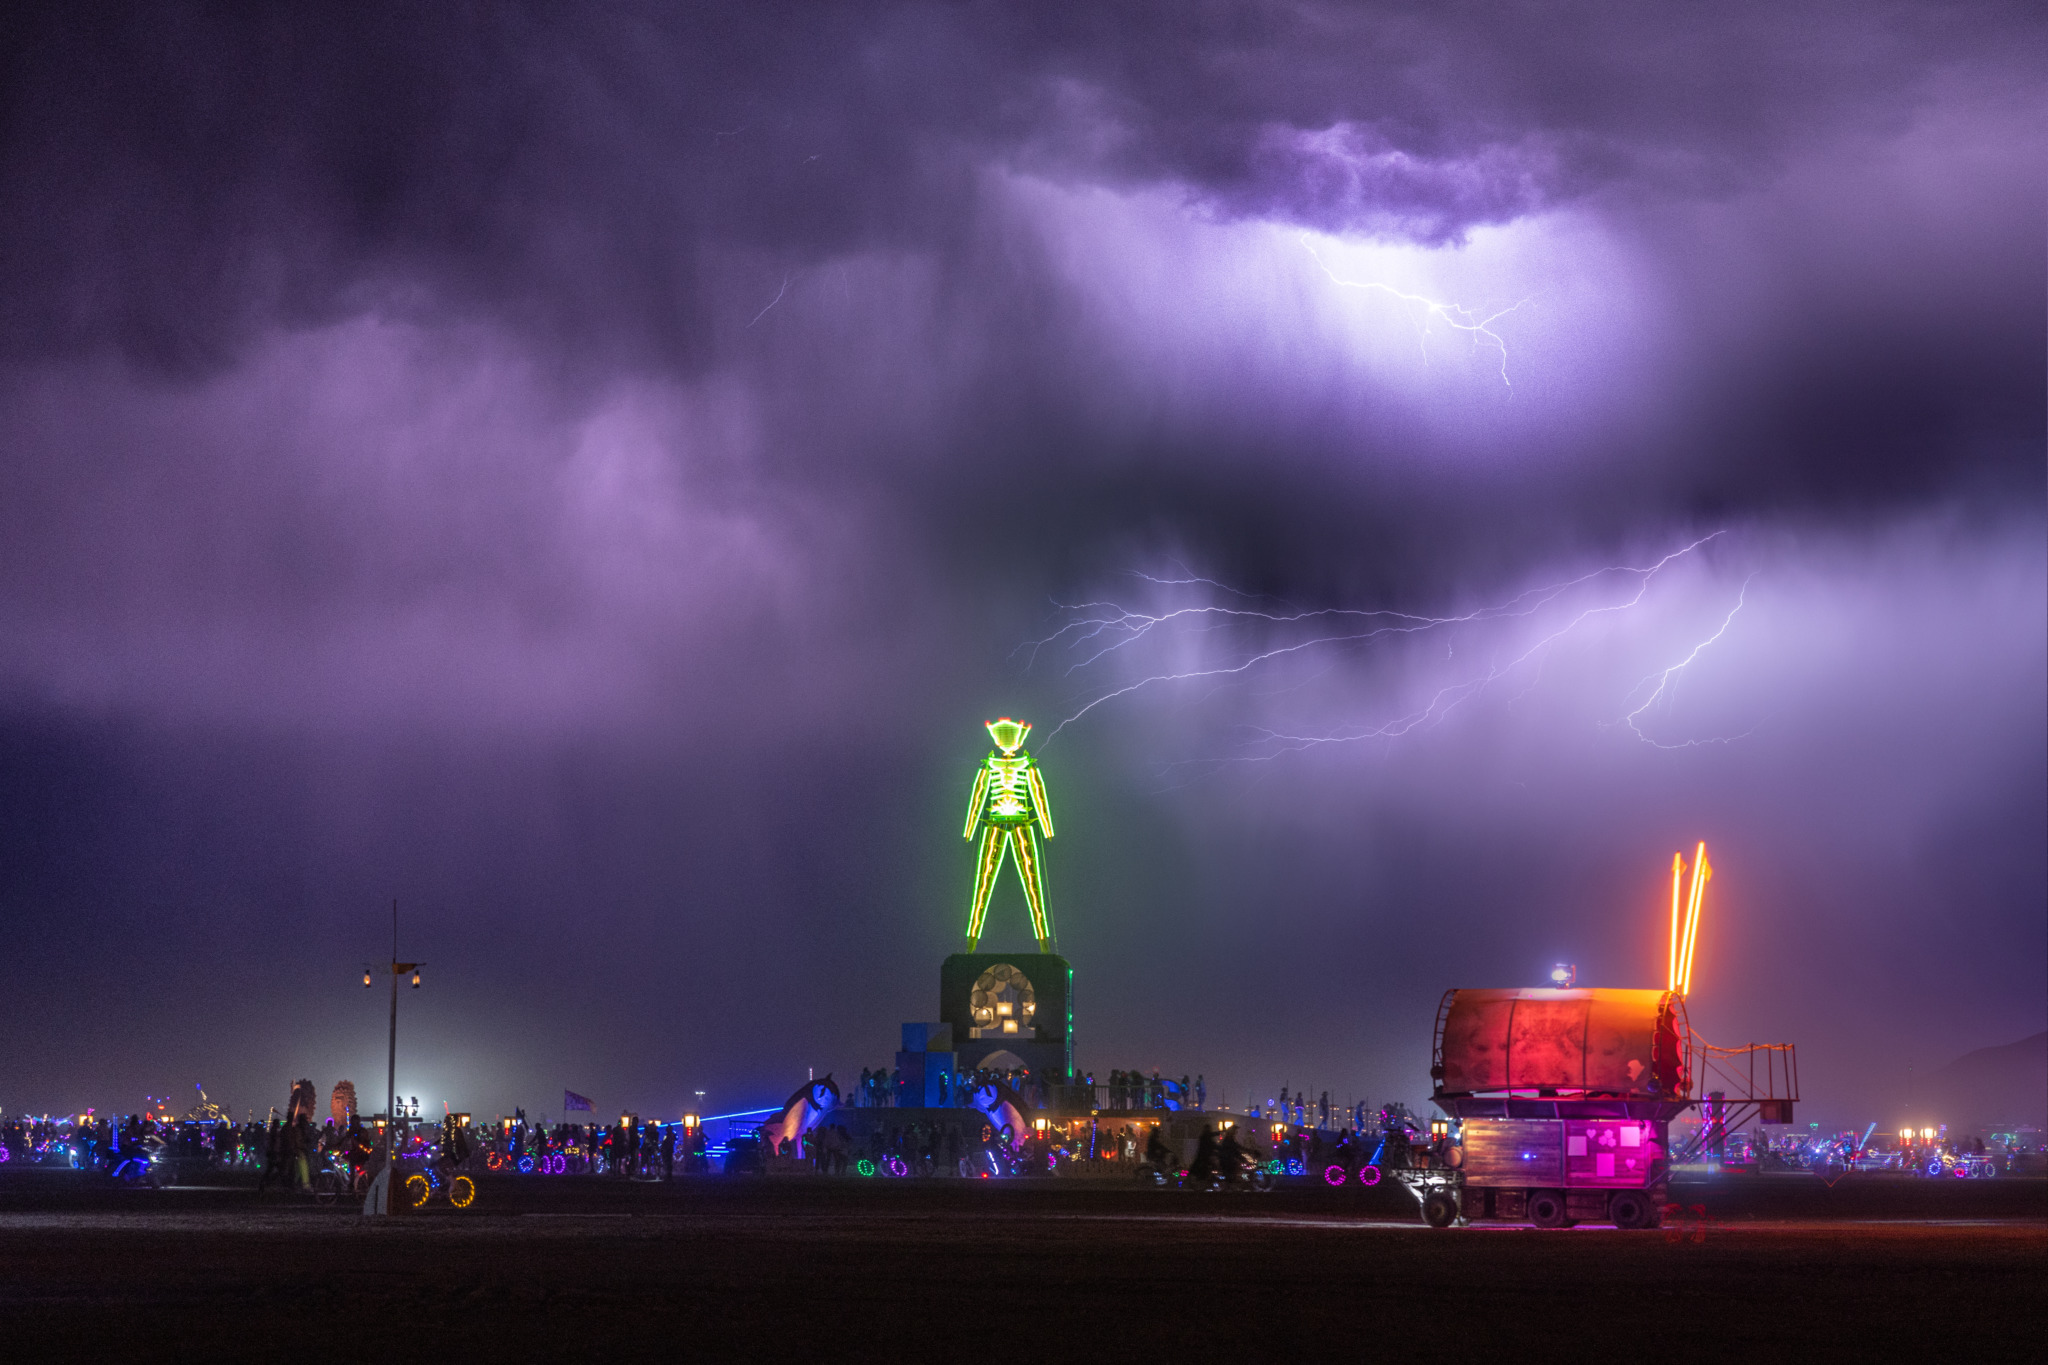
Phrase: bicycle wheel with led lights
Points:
(462, 1192)
(417, 1190)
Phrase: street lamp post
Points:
(379, 1198)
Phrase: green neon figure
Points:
(1009, 808)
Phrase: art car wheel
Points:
(1546, 1209)
(417, 1190)
(1439, 1210)
(1630, 1210)
(462, 1192)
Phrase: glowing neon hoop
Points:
(1333, 1175)
(1368, 1175)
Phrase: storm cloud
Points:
(588, 472)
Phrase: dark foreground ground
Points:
(1780, 1268)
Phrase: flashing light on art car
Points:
(1563, 975)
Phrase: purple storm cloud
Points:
(589, 472)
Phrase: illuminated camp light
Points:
(1684, 940)
(1563, 975)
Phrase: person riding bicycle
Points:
(1156, 1153)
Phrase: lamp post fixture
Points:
(372, 1204)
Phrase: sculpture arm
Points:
(1038, 806)
(974, 801)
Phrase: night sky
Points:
(588, 471)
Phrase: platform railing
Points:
(1734, 1085)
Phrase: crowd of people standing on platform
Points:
(1137, 1090)
(1318, 1113)
(879, 1089)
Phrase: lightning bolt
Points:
(1098, 630)
(1450, 314)
(772, 302)
(1663, 680)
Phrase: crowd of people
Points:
(630, 1148)
(972, 1144)
(288, 1152)
(884, 1089)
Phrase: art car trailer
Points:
(1561, 1101)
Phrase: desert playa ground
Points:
(1781, 1268)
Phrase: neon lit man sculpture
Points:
(1009, 808)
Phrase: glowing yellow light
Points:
(1677, 875)
(417, 1188)
(462, 1192)
(1701, 873)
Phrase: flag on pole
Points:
(572, 1100)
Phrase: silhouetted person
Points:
(273, 1156)
(1203, 1168)
(1229, 1156)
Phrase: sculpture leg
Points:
(986, 867)
(1031, 869)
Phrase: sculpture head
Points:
(1008, 734)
